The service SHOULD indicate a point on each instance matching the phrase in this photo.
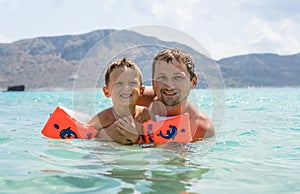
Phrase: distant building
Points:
(16, 88)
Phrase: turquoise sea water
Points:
(257, 149)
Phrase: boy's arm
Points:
(111, 133)
(102, 119)
(95, 122)
(125, 130)
(107, 130)
(111, 130)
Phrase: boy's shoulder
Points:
(105, 113)
(106, 117)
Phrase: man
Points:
(173, 78)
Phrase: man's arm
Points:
(210, 129)
(204, 129)
(202, 126)
(147, 98)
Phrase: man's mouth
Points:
(169, 92)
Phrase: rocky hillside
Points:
(261, 70)
(64, 62)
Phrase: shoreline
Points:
(98, 89)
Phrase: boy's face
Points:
(172, 83)
(124, 86)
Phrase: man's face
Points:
(172, 83)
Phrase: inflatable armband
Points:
(63, 125)
(175, 129)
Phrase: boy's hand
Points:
(127, 127)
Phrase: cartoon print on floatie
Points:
(150, 134)
(170, 133)
(66, 133)
(168, 130)
(62, 125)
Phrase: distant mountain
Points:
(64, 62)
(45, 62)
(261, 70)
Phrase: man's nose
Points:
(169, 83)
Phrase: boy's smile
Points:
(125, 95)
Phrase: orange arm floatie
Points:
(175, 129)
(61, 125)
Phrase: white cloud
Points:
(226, 48)
(180, 14)
(4, 39)
(260, 31)
(225, 29)
(8, 6)
(277, 37)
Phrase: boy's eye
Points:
(133, 83)
(118, 84)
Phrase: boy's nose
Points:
(127, 87)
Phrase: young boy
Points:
(123, 83)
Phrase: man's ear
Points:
(142, 89)
(106, 92)
(194, 81)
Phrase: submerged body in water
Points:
(257, 149)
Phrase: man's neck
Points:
(178, 109)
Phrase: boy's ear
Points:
(106, 92)
(142, 89)
(153, 85)
(194, 81)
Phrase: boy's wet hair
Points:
(169, 54)
(122, 63)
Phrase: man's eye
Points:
(178, 78)
(161, 78)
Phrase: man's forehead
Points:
(171, 65)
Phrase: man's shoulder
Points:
(202, 123)
(143, 112)
(196, 112)
(139, 108)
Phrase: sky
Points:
(224, 28)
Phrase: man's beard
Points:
(173, 101)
